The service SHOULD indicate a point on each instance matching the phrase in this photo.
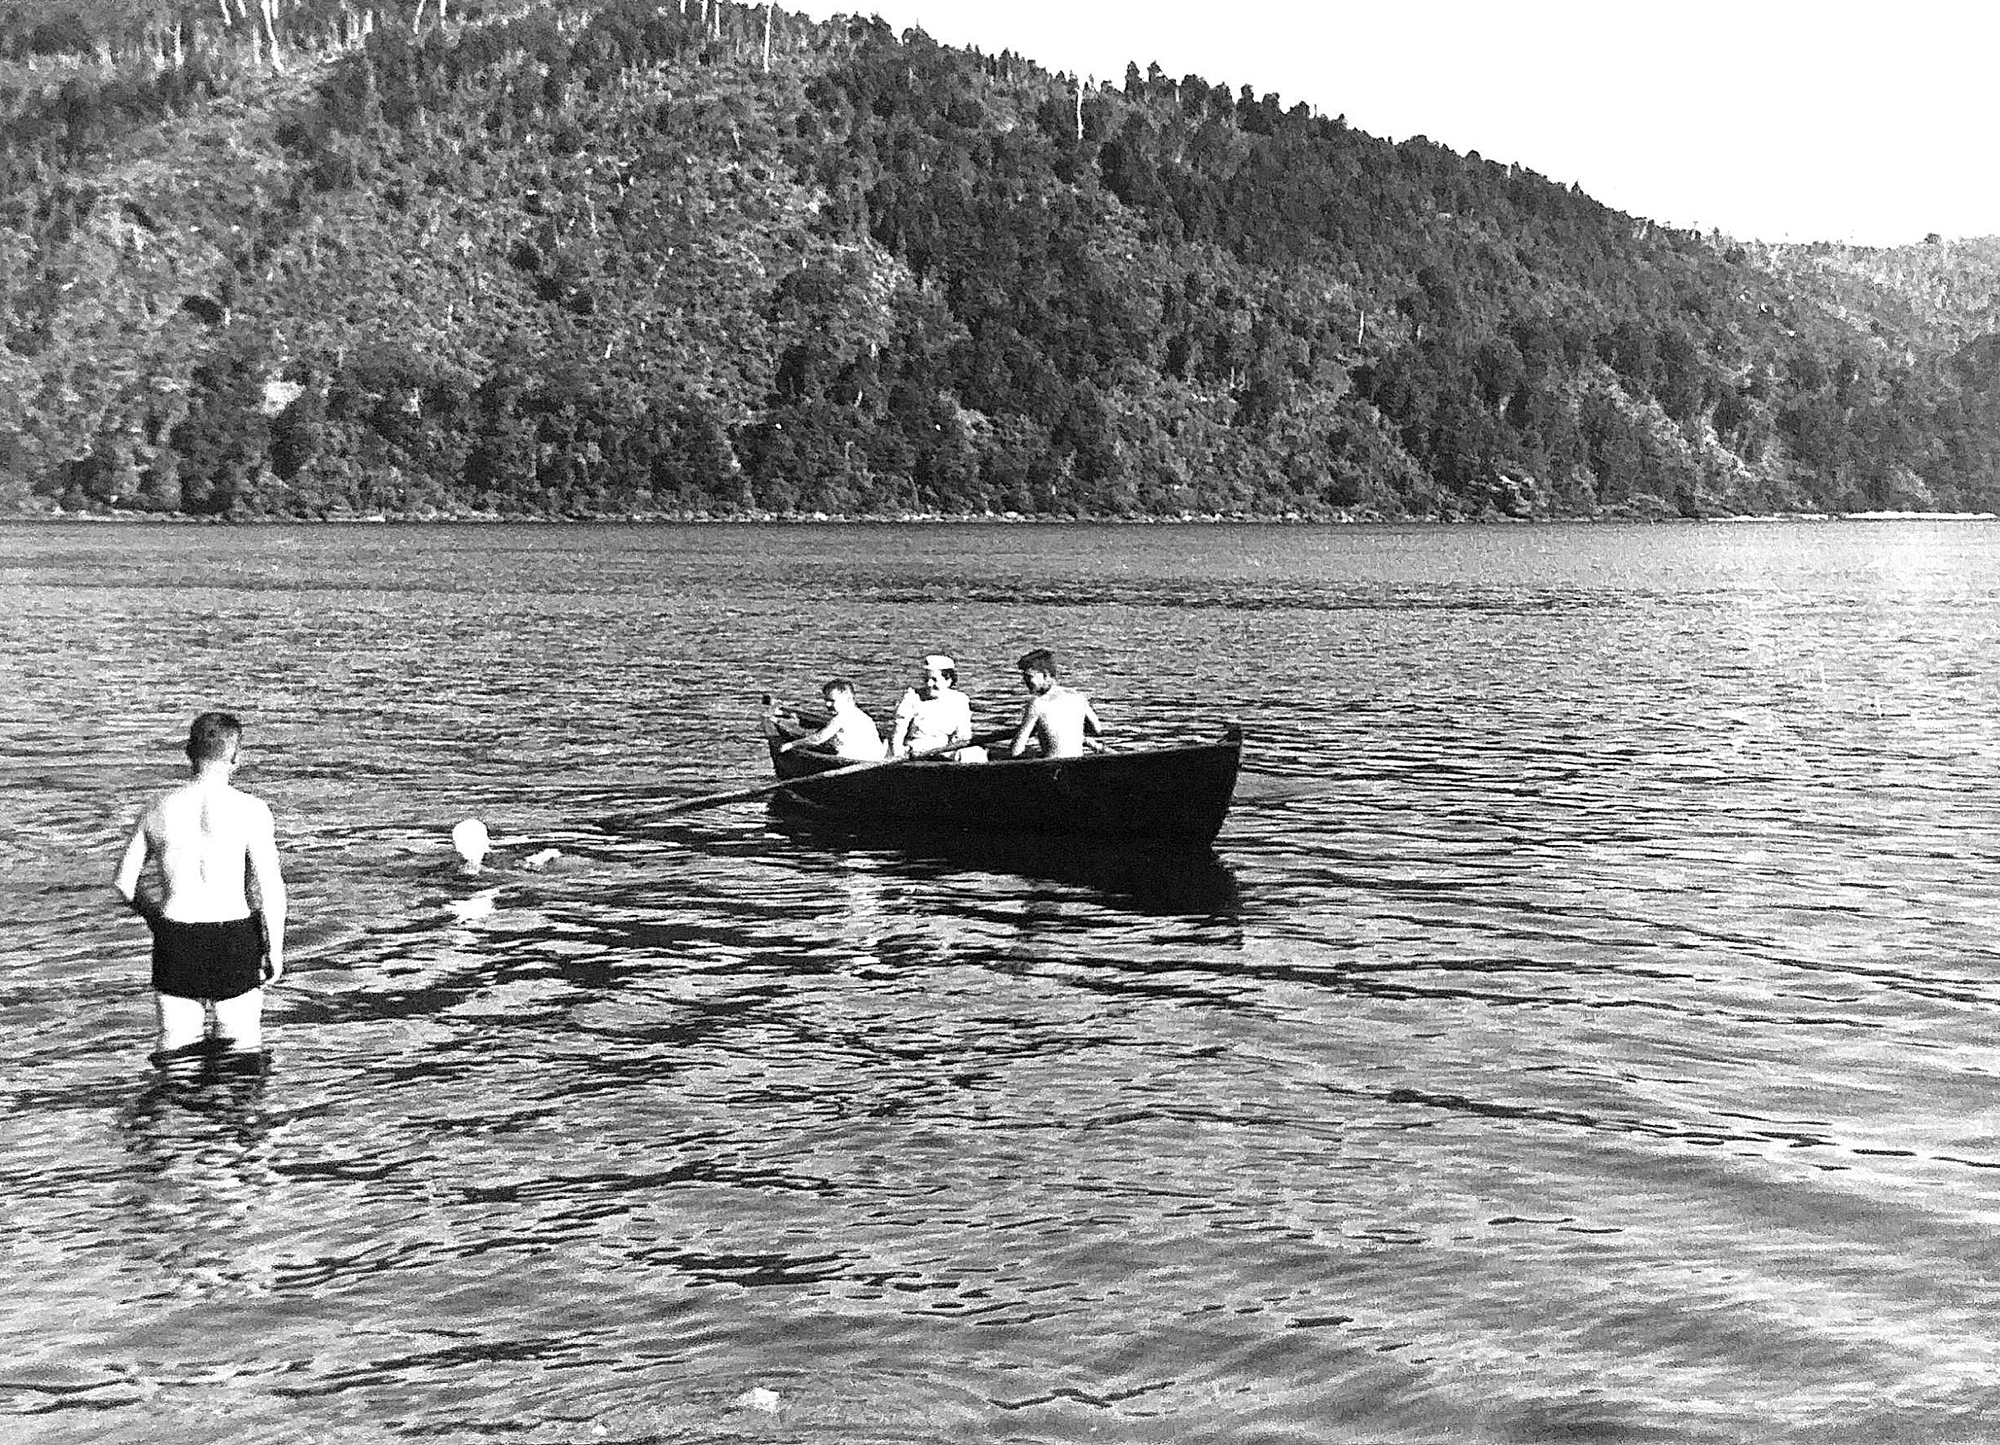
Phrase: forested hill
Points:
(703, 258)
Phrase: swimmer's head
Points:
(471, 840)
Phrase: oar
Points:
(744, 795)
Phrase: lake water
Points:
(1584, 1031)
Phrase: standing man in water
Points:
(1058, 717)
(209, 951)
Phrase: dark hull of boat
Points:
(1176, 795)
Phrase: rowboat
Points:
(1169, 795)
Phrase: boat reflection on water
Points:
(1147, 877)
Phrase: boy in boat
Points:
(210, 953)
(849, 732)
(1058, 717)
(934, 715)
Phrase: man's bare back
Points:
(212, 842)
(204, 835)
(1059, 718)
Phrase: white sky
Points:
(1777, 119)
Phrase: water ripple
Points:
(1580, 1031)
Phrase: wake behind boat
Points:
(1174, 795)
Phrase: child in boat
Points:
(849, 732)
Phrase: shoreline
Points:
(59, 517)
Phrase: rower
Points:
(851, 732)
(1060, 718)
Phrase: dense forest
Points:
(309, 258)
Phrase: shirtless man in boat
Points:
(210, 952)
(1060, 718)
(849, 732)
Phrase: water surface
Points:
(1580, 1032)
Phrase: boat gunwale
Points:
(1230, 741)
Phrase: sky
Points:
(1777, 120)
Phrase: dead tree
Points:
(270, 11)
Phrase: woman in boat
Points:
(935, 714)
(849, 732)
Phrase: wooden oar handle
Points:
(744, 795)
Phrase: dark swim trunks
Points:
(208, 961)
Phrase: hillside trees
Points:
(614, 261)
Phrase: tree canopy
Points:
(705, 258)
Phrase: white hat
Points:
(938, 662)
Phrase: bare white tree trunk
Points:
(270, 9)
(1079, 106)
(769, 6)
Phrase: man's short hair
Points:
(834, 685)
(1040, 660)
(212, 736)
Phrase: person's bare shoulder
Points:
(167, 806)
(152, 817)
(255, 812)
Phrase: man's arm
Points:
(812, 740)
(1030, 715)
(1092, 729)
(126, 879)
(263, 857)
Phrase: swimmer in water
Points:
(473, 844)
